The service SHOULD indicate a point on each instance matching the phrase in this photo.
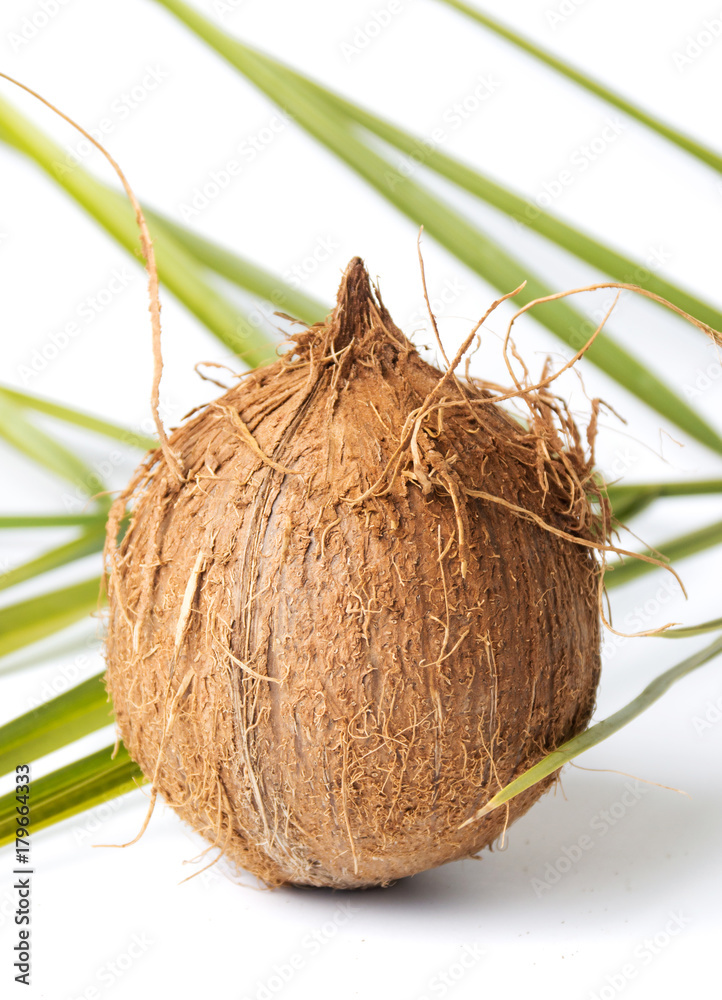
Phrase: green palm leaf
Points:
(176, 268)
(454, 232)
(31, 620)
(241, 272)
(73, 789)
(673, 550)
(603, 730)
(58, 722)
(685, 142)
(469, 179)
(628, 499)
(86, 544)
(52, 520)
(41, 448)
(67, 414)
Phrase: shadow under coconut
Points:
(622, 848)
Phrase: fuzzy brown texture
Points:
(362, 613)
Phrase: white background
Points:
(118, 923)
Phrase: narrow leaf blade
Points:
(57, 723)
(82, 520)
(84, 545)
(602, 730)
(673, 549)
(611, 262)
(688, 631)
(78, 418)
(73, 789)
(39, 446)
(468, 243)
(177, 270)
(686, 142)
(242, 272)
(31, 620)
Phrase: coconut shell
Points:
(323, 649)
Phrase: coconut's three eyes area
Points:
(295, 654)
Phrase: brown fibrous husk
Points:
(368, 604)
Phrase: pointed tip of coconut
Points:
(359, 322)
(354, 302)
(360, 313)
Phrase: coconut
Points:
(369, 603)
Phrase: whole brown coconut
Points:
(368, 606)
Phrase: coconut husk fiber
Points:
(369, 603)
